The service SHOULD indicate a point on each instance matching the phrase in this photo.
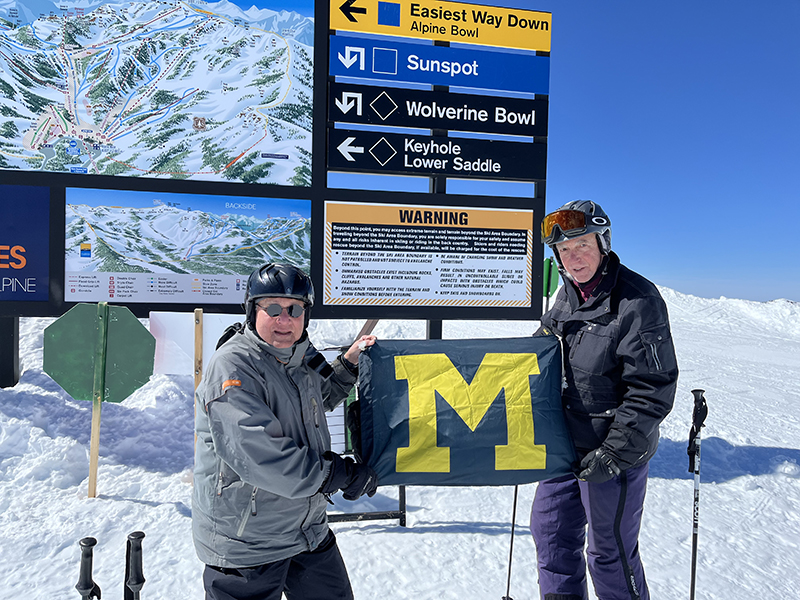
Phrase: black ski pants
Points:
(316, 575)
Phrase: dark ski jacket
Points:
(620, 369)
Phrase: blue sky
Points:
(682, 120)
(304, 7)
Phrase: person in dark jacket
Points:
(620, 376)
(263, 462)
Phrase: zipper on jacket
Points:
(251, 511)
(316, 411)
(575, 344)
(656, 360)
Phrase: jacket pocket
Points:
(589, 423)
(658, 349)
(226, 477)
(590, 351)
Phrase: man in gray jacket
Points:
(263, 465)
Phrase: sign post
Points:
(99, 353)
(9, 342)
(98, 392)
(550, 280)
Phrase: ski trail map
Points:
(172, 90)
(180, 248)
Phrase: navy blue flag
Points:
(463, 412)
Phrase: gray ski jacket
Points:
(261, 432)
(620, 368)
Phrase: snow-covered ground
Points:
(746, 355)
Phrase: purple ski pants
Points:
(562, 508)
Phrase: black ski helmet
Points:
(595, 220)
(275, 280)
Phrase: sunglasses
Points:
(568, 222)
(275, 310)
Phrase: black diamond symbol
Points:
(383, 105)
(382, 151)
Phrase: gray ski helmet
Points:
(595, 221)
(275, 280)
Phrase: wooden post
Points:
(198, 346)
(198, 356)
(367, 328)
(98, 394)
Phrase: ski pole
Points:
(134, 578)
(698, 418)
(86, 587)
(511, 550)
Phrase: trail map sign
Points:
(163, 90)
(135, 246)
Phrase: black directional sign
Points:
(399, 107)
(379, 152)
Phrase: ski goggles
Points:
(275, 310)
(569, 222)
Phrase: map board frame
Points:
(317, 193)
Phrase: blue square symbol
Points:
(389, 14)
(384, 61)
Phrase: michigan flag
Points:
(463, 412)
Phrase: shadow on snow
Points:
(721, 461)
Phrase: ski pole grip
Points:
(85, 586)
(135, 579)
(700, 410)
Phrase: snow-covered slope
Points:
(746, 355)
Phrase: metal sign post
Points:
(9, 342)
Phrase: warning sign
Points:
(427, 255)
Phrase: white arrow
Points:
(352, 53)
(346, 149)
(349, 100)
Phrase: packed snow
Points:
(745, 355)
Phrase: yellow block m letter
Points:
(430, 373)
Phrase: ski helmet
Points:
(575, 219)
(276, 280)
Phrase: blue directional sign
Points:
(391, 60)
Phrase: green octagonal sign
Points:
(99, 350)
(99, 353)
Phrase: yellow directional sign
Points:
(445, 21)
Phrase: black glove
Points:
(598, 466)
(354, 479)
